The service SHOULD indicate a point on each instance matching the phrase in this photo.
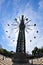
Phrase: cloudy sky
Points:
(11, 9)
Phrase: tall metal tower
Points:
(21, 37)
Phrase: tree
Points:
(35, 52)
(5, 52)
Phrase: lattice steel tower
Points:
(21, 37)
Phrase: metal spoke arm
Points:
(16, 21)
(28, 28)
(30, 25)
(14, 24)
(14, 28)
(27, 22)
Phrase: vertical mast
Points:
(21, 37)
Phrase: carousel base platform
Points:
(20, 58)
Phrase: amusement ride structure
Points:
(21, 44)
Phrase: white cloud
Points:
(12, 41)
(41, 4)
(35, 16)
(40, 42)
(28, 12)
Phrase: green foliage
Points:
(37, 52)
(5, 52)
